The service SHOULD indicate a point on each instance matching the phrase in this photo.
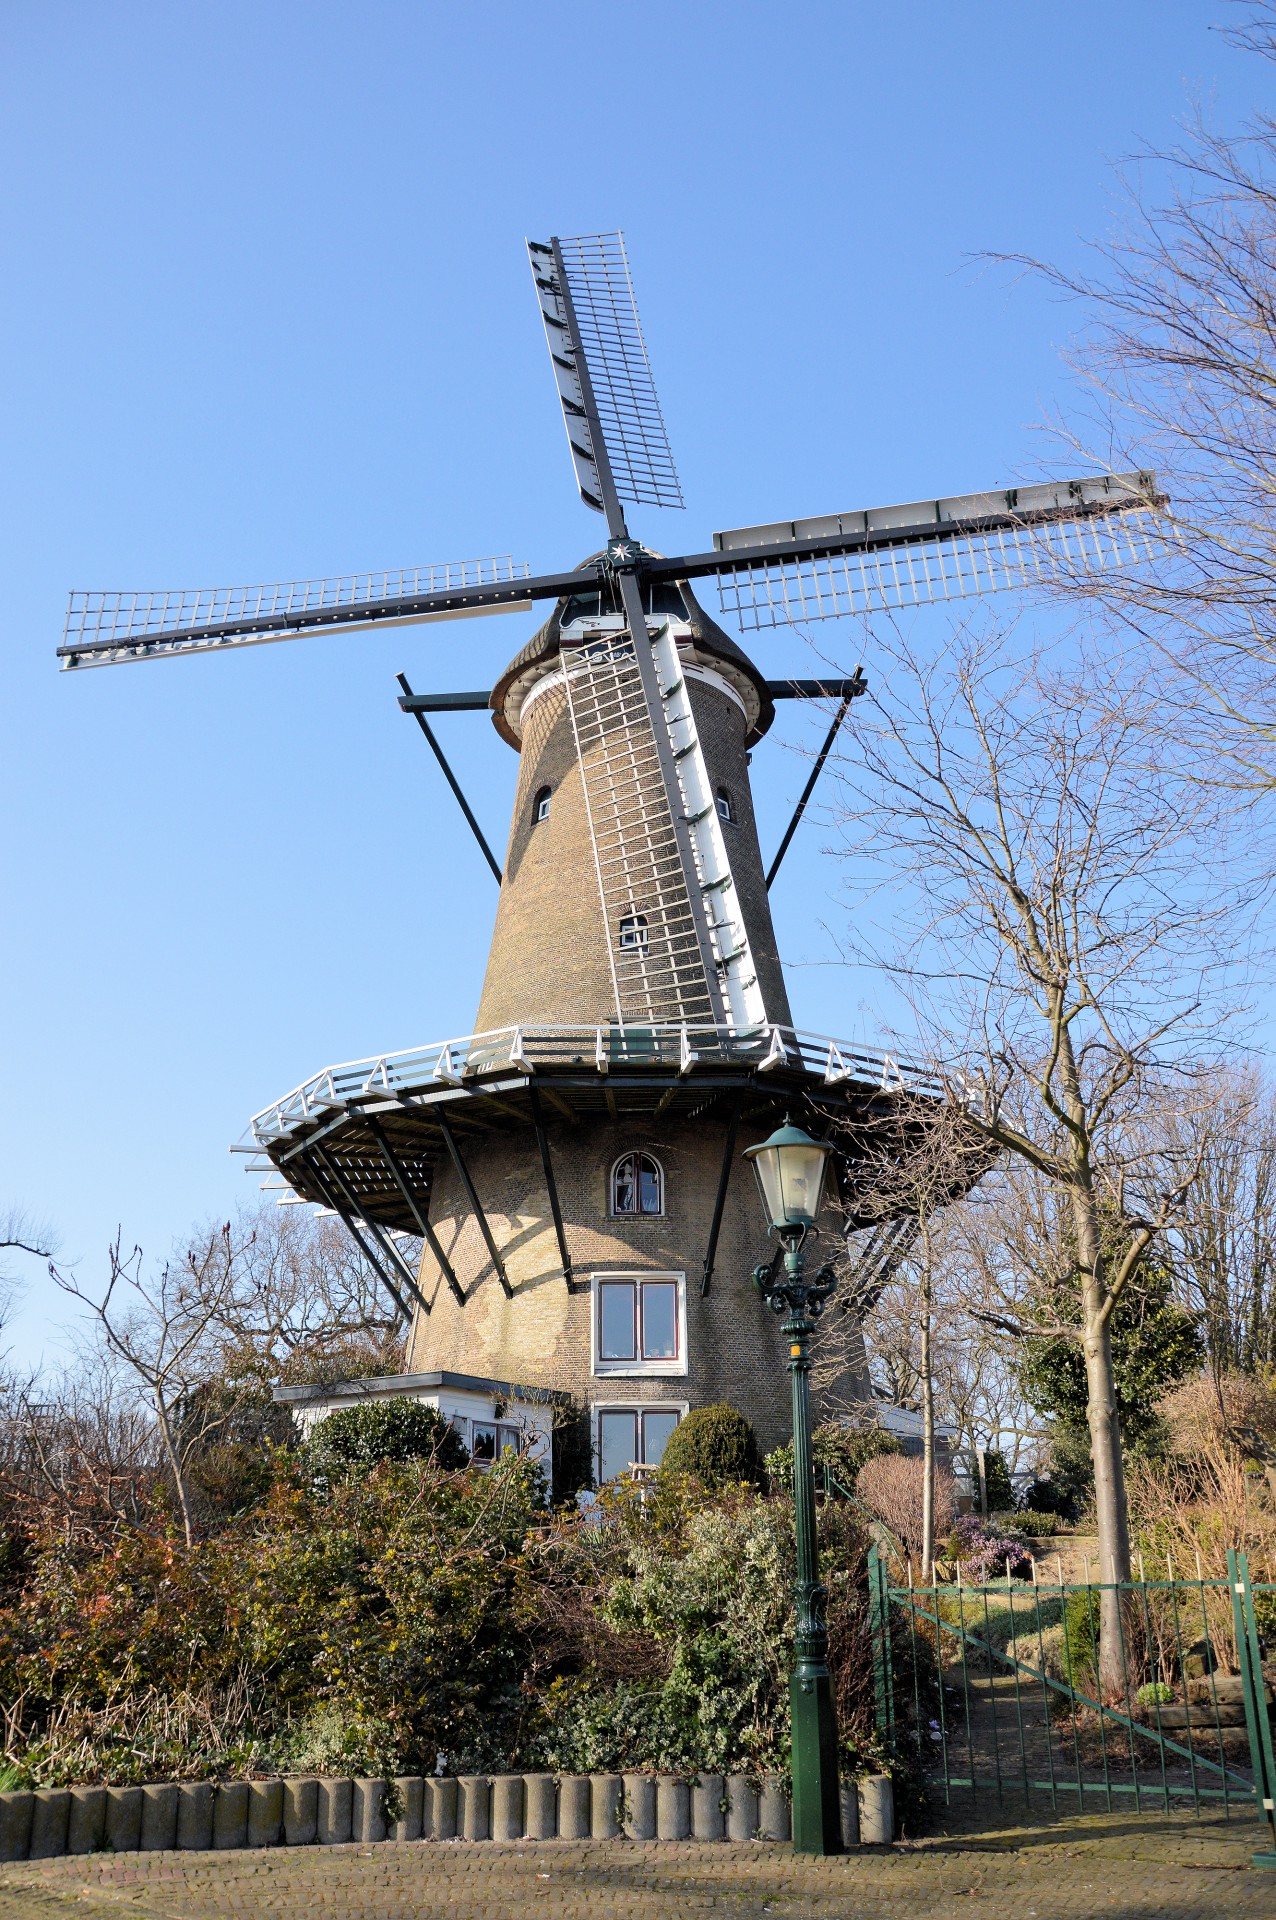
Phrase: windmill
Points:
(568, 1167)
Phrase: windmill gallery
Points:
(571, 1169)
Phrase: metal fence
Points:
(995, 1689)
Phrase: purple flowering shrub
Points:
(985, 1550)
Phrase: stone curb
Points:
(305, 1810)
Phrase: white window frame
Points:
(721, 794)
(540, 805)
(613, 1211)
(632, 933)
(636, 1369)
(599, 1407)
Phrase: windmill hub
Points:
(571, 1170)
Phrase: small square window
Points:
(483, 1443)
(722, 800)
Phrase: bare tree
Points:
(1064, 916)
(1178, 359)
(166, 1335)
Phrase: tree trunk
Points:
(1111, 1512)
(928, 1435)
(175, 1468)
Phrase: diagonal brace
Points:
(547, 1166)
(422, 1219)
(448, 774)
(463, 1174)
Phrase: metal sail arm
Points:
(104, 628)
(924, 551)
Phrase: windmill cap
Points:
(714, 646)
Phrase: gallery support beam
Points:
(388, 1249)
(333, 1198)
(547, 1166)
(421, 1218)
(463, 1175)
(809, 788)
(720, 1198)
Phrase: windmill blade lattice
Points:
(105, 628)
(611, 342)
(935, 551)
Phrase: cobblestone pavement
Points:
(1109, 1865)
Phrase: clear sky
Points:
(268, 315)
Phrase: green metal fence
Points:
(996, 1690)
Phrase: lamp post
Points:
(791, 1167)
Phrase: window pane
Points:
(656, 1428)
(509, 1437)
(648, 1185)
(616, 1321)
(483, 1445)
(617, 1443)
(660, 1320)
(624, 1199)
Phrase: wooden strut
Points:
(542, 1141)
(333, 1199)
(423, 1225)
(720, 1199)
(383, 1240)
(463, 1175)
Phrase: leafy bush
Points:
(1155, 1693)
(1040, 1526)
(356, 1438)
(1080, 1638)
(839, 1449)
(716, 1445)
(998, 1484)
(1047, 1497)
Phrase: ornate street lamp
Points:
(791, 1167)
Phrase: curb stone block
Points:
(573, 1806)
(775, 1818)
(159, 1817)
(195, 1816)
(50, 1807)
(265, 1812)
(708, 1815)
(639, 1802)
(507, 1806)
(474, 1820)
(367, 1811)
(335, 1798)
(673, 1808)
(15, 1824)
(408, 1825)
(442, 1798)
(848, 1794)
(540, 1800)
(301, 1811)
(604, 1805)
(742, 1807)
(86, 1822)
(123, 1818)
(877, 1810)
(230, 1814)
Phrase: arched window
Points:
(725, 809)
(540, 805)
(637, 1185)
(633, 932)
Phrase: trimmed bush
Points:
(1081, 1637)
(715, 1444)
(397, 1429)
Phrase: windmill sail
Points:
(933, 550)
(607, 335)
(105, 628)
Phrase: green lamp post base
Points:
(817, 1813)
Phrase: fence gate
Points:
(996, 1689)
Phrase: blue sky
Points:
(268, 316)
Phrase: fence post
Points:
(1258, 1725)
(880, 1623)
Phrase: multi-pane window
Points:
(633, 933)
(632, 1437)
(489, 1439)
(637, 1185)
(639, 1324)
(540, 805)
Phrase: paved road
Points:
(1164, 1869)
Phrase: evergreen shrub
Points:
(714, 1444)
(357, 1438)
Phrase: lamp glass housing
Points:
(791, 1169)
